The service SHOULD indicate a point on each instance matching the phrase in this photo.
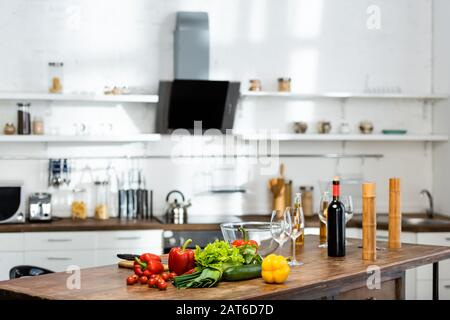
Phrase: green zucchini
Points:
(242, 272)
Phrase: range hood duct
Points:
(191, 46)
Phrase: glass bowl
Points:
(258, 231)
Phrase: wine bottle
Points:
(298, 205)
(336, 223)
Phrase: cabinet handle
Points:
(128, 238)
(59, 240)
(448, 238)
(447, 286)
(58, 259)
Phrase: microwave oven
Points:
(12, 202)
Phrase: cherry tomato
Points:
(143, 280)
(162, 285)
(152, 276)
(157, 276)
(165, 276)
(131, 280)
(138, 271)
(151, 282)
(147, 273)
(172, 275)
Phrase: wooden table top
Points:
(319, 273)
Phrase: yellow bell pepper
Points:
(275, 269)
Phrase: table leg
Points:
(436, 281)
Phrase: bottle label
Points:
(336, 190)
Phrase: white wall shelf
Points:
(342, 95)
(152, 137)
(347, 137)
(81, 139)
(87, 97)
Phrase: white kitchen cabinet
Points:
(11, 241)
(150, 239)
(50, 241)
(11, 252)
(355, 233)
(59, 260)
(425, 290)
(9, 260)
(58, 250)
(435, 239)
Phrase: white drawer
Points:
(59, 260)
(7, 261)
(129, 239)
(109, 256)
(410, 284)
(426, 272)
(355, 233)
(425, 290)
(405, 237)
(11, 241)
(59, 241)
(434, 238)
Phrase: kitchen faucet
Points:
(430, 210)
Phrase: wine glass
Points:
(280, 227)
(347, 201)
(298, 224)
(325, 200)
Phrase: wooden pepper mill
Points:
(369, 222)
(395, 214)
(278, 188)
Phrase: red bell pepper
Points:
(245, 241)
(181, 259)
(151, 266)
(146, 257)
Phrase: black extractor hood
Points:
(184, 104)
(192, 100)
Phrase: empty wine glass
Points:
(280, 227)
(347, 201)
(298, 224)
(325, 200)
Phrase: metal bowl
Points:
(258, 231)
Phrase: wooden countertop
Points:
(67, 224)
(319, 276)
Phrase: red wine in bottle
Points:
(336, 223)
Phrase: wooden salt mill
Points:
(278, 188)
(369, 222)
(395, 214)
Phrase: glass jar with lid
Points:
(284, 84)
(79, 203)
(307, 200)
(102, 196)
(56, 75)
(23, 118)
